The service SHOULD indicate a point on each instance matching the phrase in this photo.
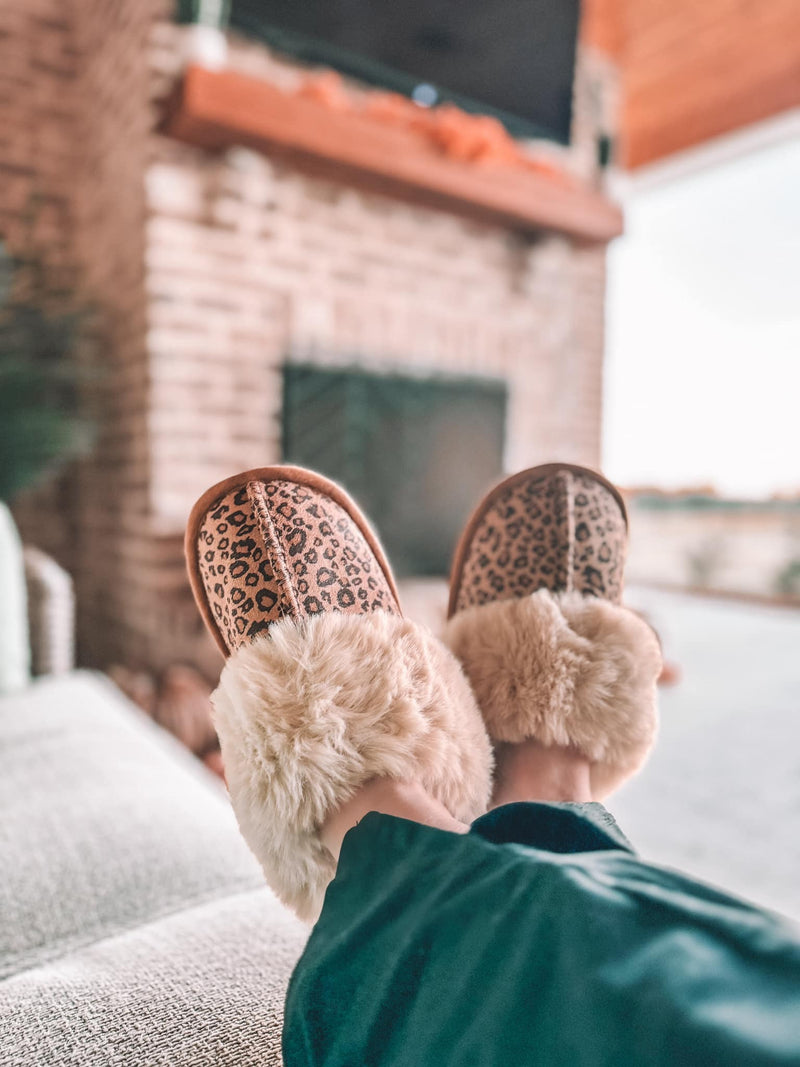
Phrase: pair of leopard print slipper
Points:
(327, 685)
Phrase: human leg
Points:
(535, 938)
(524, 772)
(529, 771)
(539, 937)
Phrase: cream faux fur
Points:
(566, 670)
(313, 709)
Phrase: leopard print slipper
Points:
(326, 685)
(536, 621)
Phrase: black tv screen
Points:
(513, 59)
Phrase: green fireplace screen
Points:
(415, 453)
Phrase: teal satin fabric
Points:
(537, 938)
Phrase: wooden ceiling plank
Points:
(692, 71)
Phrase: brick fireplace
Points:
(214, 269)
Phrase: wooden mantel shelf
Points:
(217, 109)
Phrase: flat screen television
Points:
(513, 59)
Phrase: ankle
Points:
(530, 771)
(403, 799)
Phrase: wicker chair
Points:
(51, 614)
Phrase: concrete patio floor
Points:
(720, 796)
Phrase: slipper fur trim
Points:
(564, 669)
(314, 708)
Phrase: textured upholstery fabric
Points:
(14, 644)
(203, 987)
(134, 926)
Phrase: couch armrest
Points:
(51, 613)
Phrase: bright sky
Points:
(703, 352)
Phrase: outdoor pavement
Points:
(720, 796)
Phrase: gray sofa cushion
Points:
(131, 911)
(204, 987)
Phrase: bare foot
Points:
(530, 771)
(406, 800)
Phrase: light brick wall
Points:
(250, 263)
(116, 571)
(211, 269)
(38, 65)
(78, 98)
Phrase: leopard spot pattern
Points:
(561, 531)
(276, 549)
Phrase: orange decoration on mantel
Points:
(326, 88)
(458, 134)
(436, 158)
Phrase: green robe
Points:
(537, 938)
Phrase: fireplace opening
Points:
(415, 452)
